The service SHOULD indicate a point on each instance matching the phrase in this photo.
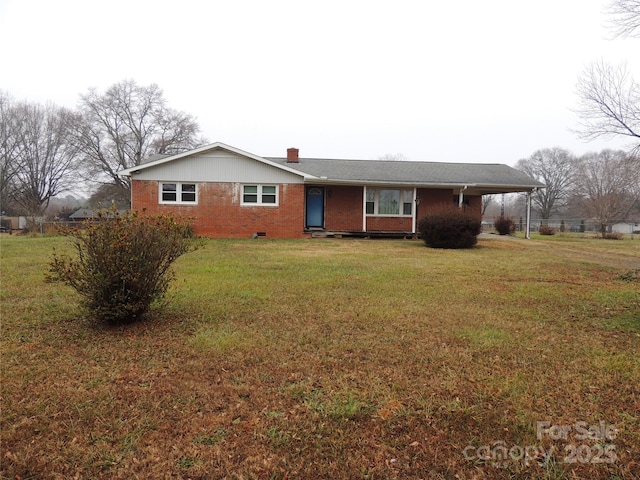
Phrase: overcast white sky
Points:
(461, 81)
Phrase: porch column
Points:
(461, 196)
(416, 203)
(364, 209)
(528, 228)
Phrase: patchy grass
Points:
(332, 359)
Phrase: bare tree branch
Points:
(486, 201)
(128, 123)
(609, 104)
(38, 154)
(624, 18)
(555, 168)
(9, 146)
(395, 157)
(606, 185)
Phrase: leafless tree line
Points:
(38, 149)
(45, 149)
(602, 186)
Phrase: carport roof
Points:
(479, 178)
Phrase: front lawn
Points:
(333, 359)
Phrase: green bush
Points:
(504, 225)
(449, 227)
(123, 262)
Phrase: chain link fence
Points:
(576, 227)
(625, 228)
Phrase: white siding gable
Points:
(217, 166)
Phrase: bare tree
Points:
(486, 201)
(107, 194)
(395, 157)
(555, 168)
(609, 104)
(606, 185)
(624, 18)
(609, 97)
(9, 147)
(47, 162)
(38, 154)
(127, 124)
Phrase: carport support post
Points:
(364, 208)
(528, 229)
(461, 196)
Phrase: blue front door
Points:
(315, 207)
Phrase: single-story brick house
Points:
(231, 193)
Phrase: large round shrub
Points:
(123, 262)
(449, 227)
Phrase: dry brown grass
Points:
(328, 359)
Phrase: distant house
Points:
(231, 193)
(626, 227)
(83, 214)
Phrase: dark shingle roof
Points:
(412, 173)
(478, 178)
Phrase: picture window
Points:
(389, 201)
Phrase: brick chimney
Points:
(292, 155)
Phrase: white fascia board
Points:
(382, 183)
(518, 188)
(502, 188)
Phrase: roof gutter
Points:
(408, 184)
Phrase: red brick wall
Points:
(389, 224)
(220, 215)
(343, 208)
(475, 205)
(431, 199)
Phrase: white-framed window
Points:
(389, 201)
(177, 192)
(260, 195)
